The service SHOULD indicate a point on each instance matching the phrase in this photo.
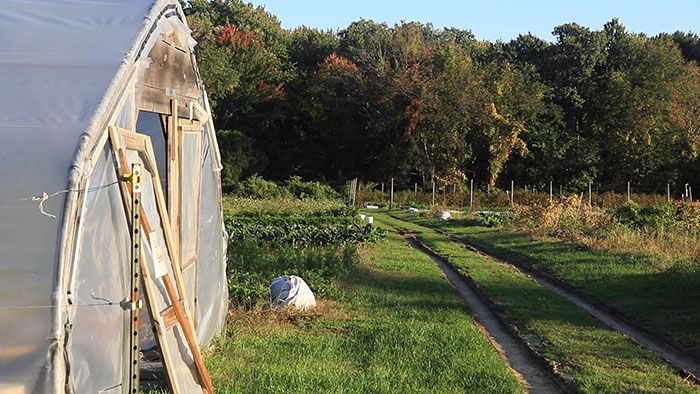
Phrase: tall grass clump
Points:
(667, 231)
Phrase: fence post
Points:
(512, 193)
(415, 189)
(433, 192)
(391, 202)
(471, 195)
(550, 191)
(690, 193)
(629, 191)
(668, 192)
(382, 188)
(354, 194)
(589, 195)
(488, 188)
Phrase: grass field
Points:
(596, 359)
(663, 298)
(395, 325)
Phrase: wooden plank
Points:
(173, 167)
(189, 262)
(169, 317)
(197, 215)
(132, 141)
(190, 336)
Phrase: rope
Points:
(46, 196)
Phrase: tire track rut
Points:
(533, 371)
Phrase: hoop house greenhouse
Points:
(111, 231)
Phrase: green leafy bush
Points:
(492, 220)
(688, 216)
(636, 215)
(310, 190)
(257, 187)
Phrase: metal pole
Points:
(512, 193)
(550, 191)
(134, 304)
(589, 194)
(668, 192)
(433, 192)
(382, 187)
(415, 189)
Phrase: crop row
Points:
(301, 234)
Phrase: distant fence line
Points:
(474, 194)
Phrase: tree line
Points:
(418, 103)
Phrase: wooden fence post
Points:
(471, 195)
(629, 191)
(391, 202)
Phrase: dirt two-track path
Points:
(523, 360)
(525, 366)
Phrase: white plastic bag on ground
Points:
(444, 215)
(411, 210)
(291, 290)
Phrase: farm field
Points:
(387, 320)
(588, 354)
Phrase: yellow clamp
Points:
(132, 178)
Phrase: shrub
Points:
(258, 188)
(492, 219)
(639, 216)
(688, 216)
(310, 190)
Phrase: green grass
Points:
(395, 326)
(597, 359)
(662, 298)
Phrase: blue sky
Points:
(493, 20)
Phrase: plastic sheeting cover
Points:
(191, 168)
(58, 59)
(101, 281)
(212, 297)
